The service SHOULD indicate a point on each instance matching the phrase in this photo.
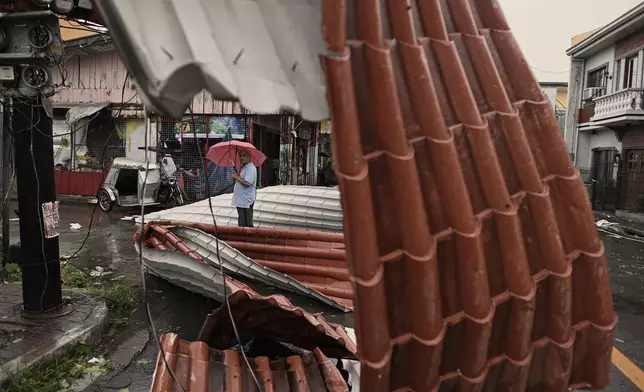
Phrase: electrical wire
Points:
(142, 265)
(81, 48)
(221, 267)
(554, 72)
(91, 221)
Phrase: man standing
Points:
(245, 189)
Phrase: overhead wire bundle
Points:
(220, 264)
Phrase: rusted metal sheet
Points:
(198, 368)
(99, 77)
(77, 183)
(468, 231)
(304, 262)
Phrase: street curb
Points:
(90, 331)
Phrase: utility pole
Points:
(30, 45)
(5, 149)
(34, 156)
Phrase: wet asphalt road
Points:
(110, 245)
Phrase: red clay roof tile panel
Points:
(468, 233)
(199, 368)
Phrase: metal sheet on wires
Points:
(264, 53)
(82, 111)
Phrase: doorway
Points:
(603, 179)
(633, 198)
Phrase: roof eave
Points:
(607, 33)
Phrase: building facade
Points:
(557, 94)
(605, 122)
(98, 115)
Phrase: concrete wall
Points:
(578, 143)
(551, 94)
(575, 87)
(134, 136)
(583, 153)
(605, 56)
(99, 77)
(589, 141)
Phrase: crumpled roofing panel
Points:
(263, 52)
(278, 319)
(198, 368)
(272, 316)
(315, 260)
(468, 230)
(282, 207)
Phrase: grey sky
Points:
(544, 29)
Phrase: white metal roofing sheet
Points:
(264, 53)
(284, 207)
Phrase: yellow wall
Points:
(562, 98)
(578, 38)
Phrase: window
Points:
(630, 72)
(598, 77)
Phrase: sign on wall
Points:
(325, 127)
(211, 126)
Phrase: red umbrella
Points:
(226, 154)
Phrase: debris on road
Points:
(99, 271)
(97, 361)
(610, 226)
(75, 226)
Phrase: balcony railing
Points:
(622, 103)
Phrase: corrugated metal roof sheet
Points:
(199, 368)
(263, 52)
(304, 262)
(281, 207)
(469, 233)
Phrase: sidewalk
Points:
(25, 342)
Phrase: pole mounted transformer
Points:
(30, 47)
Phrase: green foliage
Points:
(120, 301)
(52, 376)
(12, 273)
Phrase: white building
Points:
(605, 123)
(557, 94)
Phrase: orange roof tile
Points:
(468, 231)
(199, 368)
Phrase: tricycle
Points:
(123, 186)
